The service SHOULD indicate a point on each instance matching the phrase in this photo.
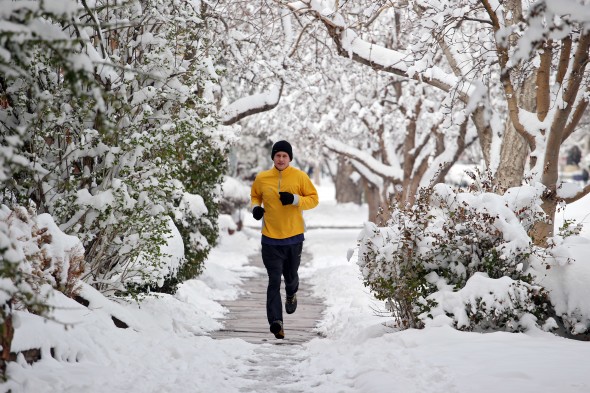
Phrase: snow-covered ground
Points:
(167, 348)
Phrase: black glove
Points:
(286, 198)
(258, 212)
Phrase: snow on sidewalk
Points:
(167, 347)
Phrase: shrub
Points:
(34, 256)
(564, 273)
(235, 196)
(107, 134)
(457, 258)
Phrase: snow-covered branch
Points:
(368, 175)
(365, 159)
(251, 105)
(579, 111)
(350, 45)
(576, 195)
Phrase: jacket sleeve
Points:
(255, 194)
(308, 199)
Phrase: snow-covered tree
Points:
(406, 144)
(108, 125)
(519, 69)
(392, 130)
(257, 42)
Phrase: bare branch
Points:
(495, 22)
(296, 44)
(543, 76)
(484, 21)
(564, 59)
(575, 119)
(376, 15)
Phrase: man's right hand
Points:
(258, 212)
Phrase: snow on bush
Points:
(145, 269)
(227, 224)
(566, 276)
(107, 135)
(51, 257)
(234, 192)
(34, 257)
(458, 258)
(235, 196)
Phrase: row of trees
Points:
(402, 89)
(426, 79)
(518, 70)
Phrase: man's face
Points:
(281, 160)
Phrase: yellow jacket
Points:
(280, 222)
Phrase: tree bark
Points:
(513, 156)
(543, 230)
(6, 336)
(373, 199)
(550, 176)
(346, 189)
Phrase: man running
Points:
(279, 195)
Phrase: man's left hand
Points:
(286, 198)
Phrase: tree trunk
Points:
(543, 230)
(513, 156)
(373, 199)
(484, 133)
(6, 336)
(346, 189)
(515, 148)
(317, 172)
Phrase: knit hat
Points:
(282, 146)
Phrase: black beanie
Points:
(282, 146)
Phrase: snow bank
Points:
(165, 347)
(566, 277)
(360, 353)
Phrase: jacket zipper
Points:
(280, 176)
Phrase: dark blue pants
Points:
(280, 261)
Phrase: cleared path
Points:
(247, 314)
